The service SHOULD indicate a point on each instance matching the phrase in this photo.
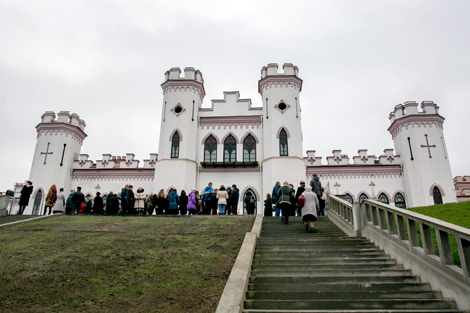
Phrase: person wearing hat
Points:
(310, 208)
(24, 198)
(285, 197)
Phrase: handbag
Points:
(323, 196)
(301, 201)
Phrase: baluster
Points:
(464, 252)
(413, 233)
(391, 223)
(443, 243)
(401, 227)
(426, 238)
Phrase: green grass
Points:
(455, 213)
(118, 264)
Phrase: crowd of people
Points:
(306, 201)
(221, 201)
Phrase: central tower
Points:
(282, 132)
(182, 98)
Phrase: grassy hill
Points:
(118, 264)
(455, 213)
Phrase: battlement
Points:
(112, 162)
(361, 159)
(272, 69)
(63, 117)
(411, 108)
(189, 74)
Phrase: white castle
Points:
(234, 142)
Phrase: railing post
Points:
(445, 252)
(426, 238)
(401, 227)
(464, 252)
(391, 223)
(413, 233)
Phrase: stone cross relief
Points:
(47, 152)
(97, 187)
(428, 146)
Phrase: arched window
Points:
(363, 197)
(436, 194)
(175, 145)
(210, 149)
(383, 198)
(249, 149)
(348, 198)
(400, 201)
(283, 151)
(230, 149)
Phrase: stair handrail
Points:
(409, 238)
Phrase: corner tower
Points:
(58, 144)
(419, 139)
(177, 153)
(282, 132)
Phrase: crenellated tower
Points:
(282, 132)
(419, 140)
(177, 153)
(58, 144)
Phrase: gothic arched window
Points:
(210, 149)
(175, 145)
(383, 198)
(348, 198)
(400, 201)
(436, 194)
(230, 149)
(249, 149)
(283, 151)
(363, 197)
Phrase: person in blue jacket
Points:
(173, 202)
(207, 199)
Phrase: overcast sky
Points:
(105, 60)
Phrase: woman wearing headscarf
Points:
(309, 210)
(98, 204)
(51, 199)
(140, 197)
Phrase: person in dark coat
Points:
(131, 200)
(78, 198)
(183, 203)
(268, 206)
(125, 199)
(285, 197)
(69, 207)
(98, 204)
(112, 204)
(161, 203)
(275, 197)
(234, 198)
(88, 205)
(24, 198)
(249, 203)
(300, 191)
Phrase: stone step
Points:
(316, 253)
(309, 241)
(352, 311)
(317, 249)
(349, 304)
(405, 279)
(341, 295)
(322, 261)
(339, 286)
(322, 267)
(335, 273)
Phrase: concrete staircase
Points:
(295, 271)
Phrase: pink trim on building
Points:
(249, 133)
(390, 200)
(173, 109)
(234, 136)
(363, 192)
(230, 121)
(229, 170)
(207, 136)
(279, 81)
(184, 85)
(398, 192)
(279, 109)
(415, 120)
(179, 133)
(355, 170)
(59, 128)
(242, 193)
(279, 131)
(438, 187)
